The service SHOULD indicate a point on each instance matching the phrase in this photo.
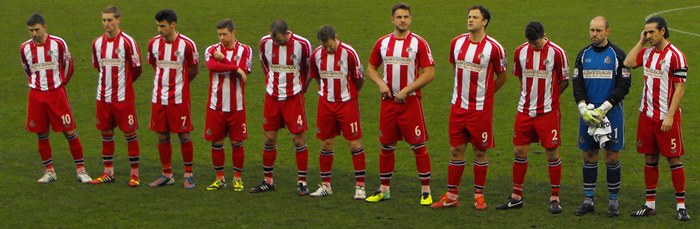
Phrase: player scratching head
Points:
(111, 17)
(166, 20)
(226, 30)
(401, 17)
(477, 21)
(279, 31)
(656, 32)
(534, 32)
(37, 28)
(599, 31)
(328, 38)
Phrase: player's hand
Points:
(666, 124)
(587, 116)
(242, 74)
(600, 112)
(643, 37)
(385, 92)
(401, 96)
(218, 55)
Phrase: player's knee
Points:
(387, 149)
(674, 160)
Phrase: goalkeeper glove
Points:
(587, 115)
(600, 112)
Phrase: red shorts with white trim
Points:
(475, 126)
(220, 124)
(289, 112)
(336, 117)
(402, 121)
(545, 128)
(122, 114)
(173, 118)
(46, 108)
(651, 140)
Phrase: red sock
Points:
(165, 150)
(454, 175)
(386, 164)
(422, 162)
(480, 171)
(519, 171)
(108, 150)
(555, 175)
(651, 178)
(238, 157)
(269, 156)
(678, 177)
(45, 152)
(325, 159)
(187, 154)
(217, 158)
(302, 155)
(358, 162)
(132, 144)
(76, 149)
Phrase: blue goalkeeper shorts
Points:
(617, 137)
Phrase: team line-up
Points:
(601, 80)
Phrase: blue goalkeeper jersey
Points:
(600, 75)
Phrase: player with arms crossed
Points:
(659, 126)
(543, 71)
(404, 55)
(338, 70)
(601, 79)
(48, 65)
(117, 58)
(285, 61)
(476, 58)
(229, 63)
(175, 60)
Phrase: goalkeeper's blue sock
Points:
(590, 175)
(614, 173)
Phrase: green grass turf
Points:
(67, 204)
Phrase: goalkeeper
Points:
(601, 79)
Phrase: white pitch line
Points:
(672, 10)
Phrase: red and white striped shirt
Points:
(49, 65)
(661, 70)
(226, 89)
(403, 58)
(172, 61)
(286, 67)
(115, 58)
(337, 72)
(474, 66)
(540, 72)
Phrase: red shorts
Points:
(122, 114)
(545, 128)
(288, 112)
(173, 118)
(471, 126)
(220, 124)
(46, 108)
(651, 140)
(334, 117)
(402, 121)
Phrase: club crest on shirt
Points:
(481, 56)
(340, 62)
(409, 49)
(236, 58)
(177, 53)
(663, 62)
(588, 60)
(51, 52)
(118, 50)
(607, 60)
(294, 56)
(546, 62)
